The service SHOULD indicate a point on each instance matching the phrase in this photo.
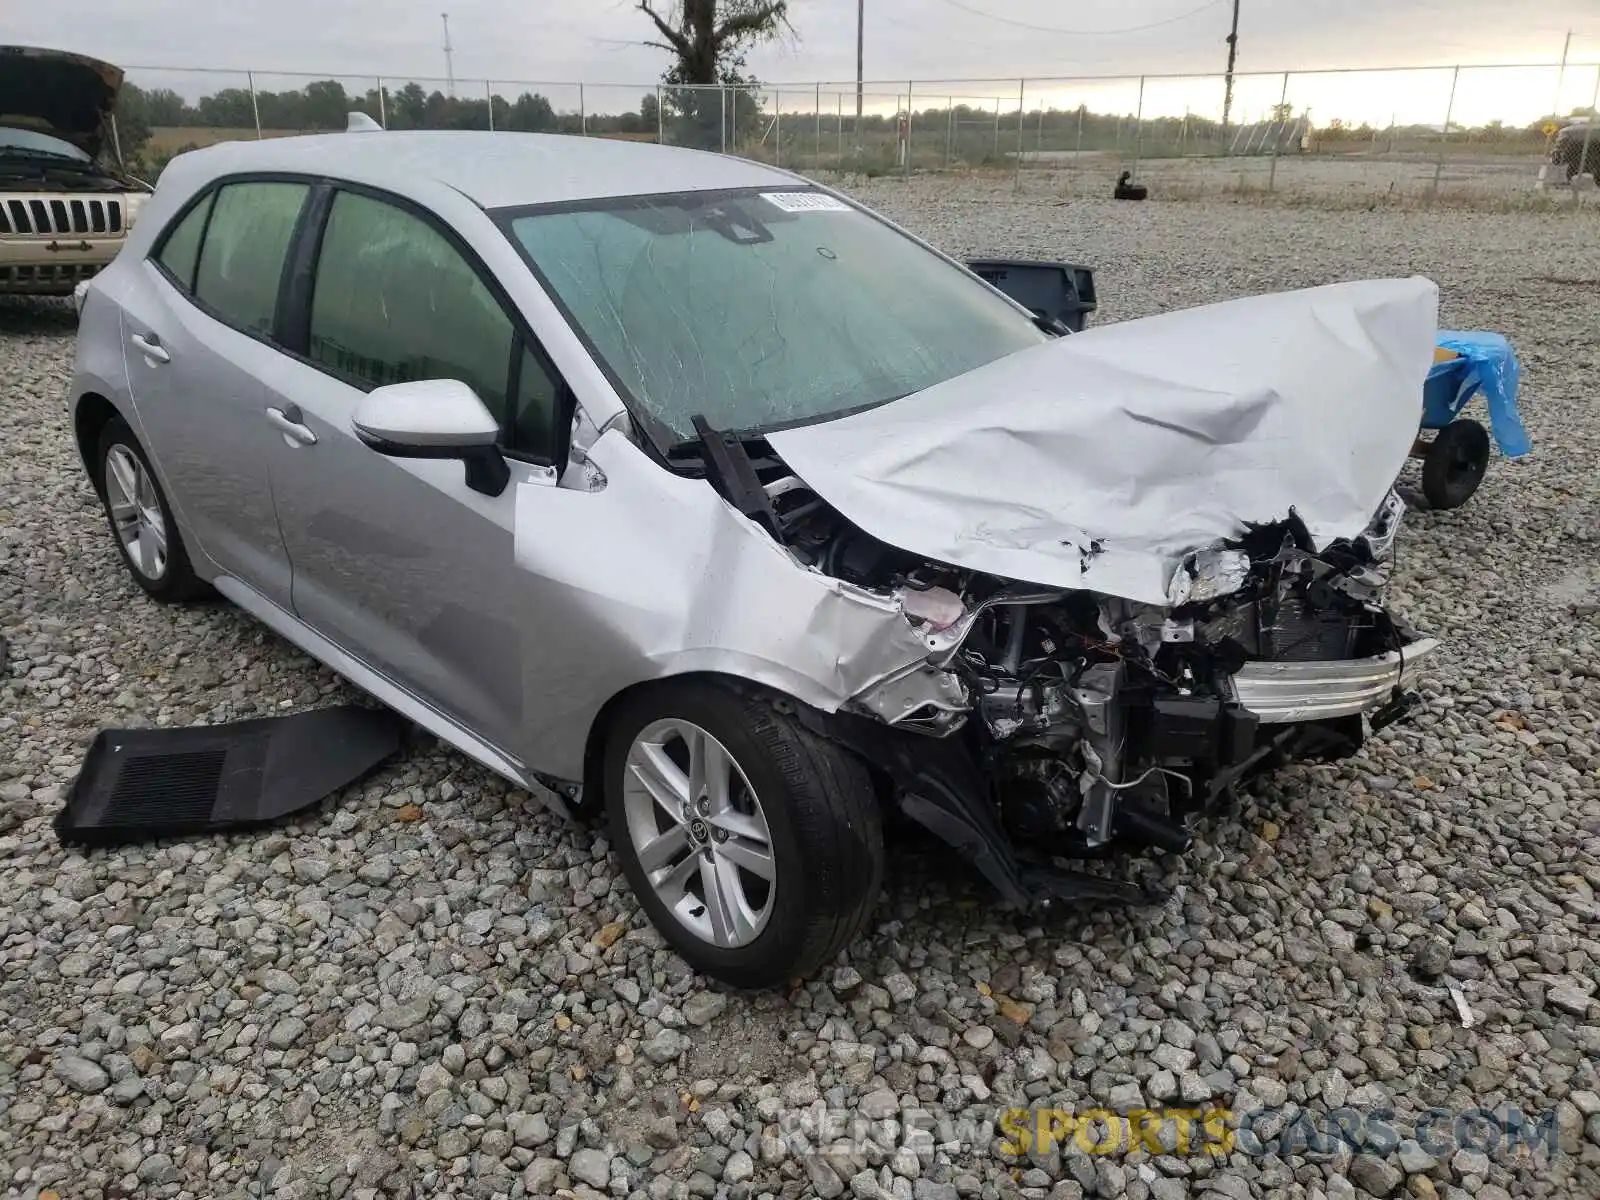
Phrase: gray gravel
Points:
(429, 987)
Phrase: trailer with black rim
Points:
(1456, 458)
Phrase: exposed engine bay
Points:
(1086, 720)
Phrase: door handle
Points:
(294, 433)
(150, 346)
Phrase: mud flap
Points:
(141, 784)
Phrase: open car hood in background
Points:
(66, 95)
(1100, 460)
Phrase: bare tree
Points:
(708, 38)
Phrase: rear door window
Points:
(241, 263)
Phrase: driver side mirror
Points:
(435, 418)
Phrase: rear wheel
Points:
(1455, 464)
(141, 520)
(755, 846)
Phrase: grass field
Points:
(169, 139)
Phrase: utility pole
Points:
(449, 61)
(1233, 51)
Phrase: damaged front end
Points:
(1046, 723)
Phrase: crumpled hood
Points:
(69, 96)
(1100, 460)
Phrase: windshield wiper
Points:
(36, 152)
(730, 471)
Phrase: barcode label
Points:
(801, 202)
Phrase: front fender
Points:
(654, 575)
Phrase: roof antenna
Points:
(359, 122)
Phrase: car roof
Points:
(495, 170)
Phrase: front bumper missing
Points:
(1281, 693)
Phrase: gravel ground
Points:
(430, 987)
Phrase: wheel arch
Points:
(91, 413)
(588, 802)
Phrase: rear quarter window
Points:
(180, 248)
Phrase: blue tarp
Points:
(1487, 363)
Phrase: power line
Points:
(989, 16)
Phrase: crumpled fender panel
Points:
(655, 575)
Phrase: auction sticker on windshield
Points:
(799, 202)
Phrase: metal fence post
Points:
(777, 125)
(949, 128)
(722, 121)
(997, 128)
(583, 113)
(1444, 135)
(250, 77)
(383, 108)
(1138, 129)
(1022, 95)
(905, 169)
(817, 108)
(1283, 100)
(661, 119)
(838, 154)
(488, 98)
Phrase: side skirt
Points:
(286, 625)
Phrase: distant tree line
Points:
(325, 105)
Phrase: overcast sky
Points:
(598, 40)
(595, 39)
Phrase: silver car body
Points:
(499, 623)
(507, 623)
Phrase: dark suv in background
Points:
(1577, 148)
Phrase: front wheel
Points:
(755, 846)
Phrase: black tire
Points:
(1455, 464)
(820, 808)
(177, 581)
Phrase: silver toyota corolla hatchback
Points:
(682, 490)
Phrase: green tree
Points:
(410, 109)
(164, 107)
(229, 109)
(132, 117)
(326, 105)
(531, 113)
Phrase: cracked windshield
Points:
(763, 310)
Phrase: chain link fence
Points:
(1415, 132)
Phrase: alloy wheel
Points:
(136, 512)
(699, 832)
